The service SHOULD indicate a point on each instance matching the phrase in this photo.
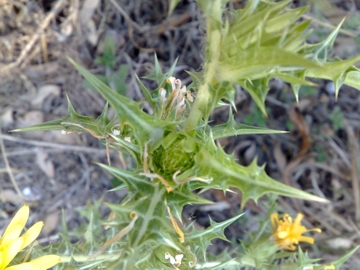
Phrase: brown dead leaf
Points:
(6, 119)
(87, 10)
(279, 157)
(31, 118)
(303, 128)
(43, 92)
(57, 137)
(45, 163)
(51, 221)
(86, 13)
(8, 195)
(355, 167)
(91, 33)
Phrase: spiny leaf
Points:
(146, 128)
(157, 75)
(196, 78)
(255, 63)
(352, 78)
(138, 185)
(279, 22)
(319, 51)
(290, 78)
(75, 122)
(218, 92)
(203, 238)
(335, 71)
(231, 128)
(253, 15)
(180, 197)
(146, 93)
(258, 90)
(50, 125)
(337, 263)
(252, 180)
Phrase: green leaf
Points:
(218, 92)
(352, 78)
(252, 16)
(76, 123)
(157, 75)
(279, 22)
(256, 63)
(146, 93)
(290, 78)
(319, 51)
(258, 90)
(337, 263)
(146, 128)
(337, 118)
(117, 80)
(203, 238)
(50, 125)
(109, 57)
(252, 181)
(231, 128)
(335, 71)
(197, 78)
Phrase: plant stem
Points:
(84, 258)
(213, 13)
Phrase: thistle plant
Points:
(176, 153)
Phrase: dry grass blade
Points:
(8, 168)
(355, 168)
(53, 145)
(132, 25)
(56, 9)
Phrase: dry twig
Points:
(355, 168)
(39, 32)
(53, 145)
(8, 168)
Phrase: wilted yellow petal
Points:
(176, 227)
(31, 234)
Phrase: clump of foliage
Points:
(176, 152)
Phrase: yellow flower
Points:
(11, 243)
(288, 233)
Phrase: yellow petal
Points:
(31, 234)
(46, 261)
(41, 263)
(12, 233)
(10, 252)
(24, 266)
(298, 219)
(15, 227)
(307, 239)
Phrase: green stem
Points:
(89, 258)
(213, 13)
